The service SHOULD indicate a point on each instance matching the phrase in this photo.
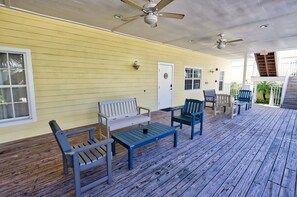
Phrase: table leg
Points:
(130, 158)
(175, 139)
(113, 148)
(238, 109)
(246, 106)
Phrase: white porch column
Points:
(244, 69)
(255, 91)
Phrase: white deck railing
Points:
(275, 95)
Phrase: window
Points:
(17, 102)
(192, 78)
(221, 81)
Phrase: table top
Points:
(136, 136)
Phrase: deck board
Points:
(253, 154)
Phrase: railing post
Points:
(271, 99)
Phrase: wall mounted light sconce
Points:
(136, 65)
(211, 71)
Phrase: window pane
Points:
(197, 84)
(221, 83)
(4, 77)
(188, 73)
(18, 77)
(3, 60)
(188, 84)
(16, 61)
(6, 111)
(21, 109)
(197, 73)
(5, 96)
(222, 76)
(19, 94)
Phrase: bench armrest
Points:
(90, 130)
(197, 114)
(92, 146)
(176, 109)
(100, 115)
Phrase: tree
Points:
(264, 87)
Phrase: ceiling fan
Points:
(222, 42)
(151, 12)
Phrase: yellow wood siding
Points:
(75, 66)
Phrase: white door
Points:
(165, 85)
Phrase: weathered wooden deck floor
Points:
(254, 154)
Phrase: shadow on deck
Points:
(254, 154)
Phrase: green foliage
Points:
(264, 88)
(234, 88)
(262, 101)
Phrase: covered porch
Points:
(251, 155)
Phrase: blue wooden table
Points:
(135, 138)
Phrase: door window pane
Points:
(16, 61)
(19, 94)
(18, 77)
(6, 111)
(4, 77)
(21, 109)
(5, 96)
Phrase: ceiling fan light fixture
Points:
(151, 19)
(221, 45)
(264, 26)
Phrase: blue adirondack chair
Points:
(245, 96)
(192, 113)
(84, 155)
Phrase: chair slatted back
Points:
(118, 108)
(60, 136)
(193, 106)
(209, 93)
(245, 95)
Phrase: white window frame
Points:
(29, 85)
(197, 68)
(221, 80)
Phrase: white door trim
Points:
(172, 80)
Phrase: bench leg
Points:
(238, 109)
(65, 166)
(130, 158)
(76, 171)
(192, 131)
(175, 139)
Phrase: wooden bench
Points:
(222, 101)
(209, 97)
(117, 114)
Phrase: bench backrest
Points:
(209, 93)
(193, 106)
(245, 95)
(60, 137)
(118, 108)
(223, 100)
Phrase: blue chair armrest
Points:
(176, 109)
(90, 130)
(197, 113)
(90, 147)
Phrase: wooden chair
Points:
(84, 155)
(209, 97)
(245, 96)
(191, 114)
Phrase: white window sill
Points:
(17, 122)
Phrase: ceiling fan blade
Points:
(162, 4)
(171, 15)
(131, 3)
(131, 17)
(231, 41)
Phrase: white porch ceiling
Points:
(203, 21)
